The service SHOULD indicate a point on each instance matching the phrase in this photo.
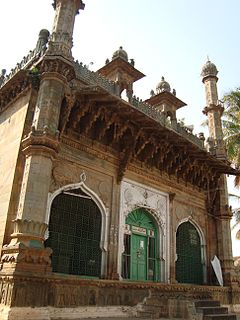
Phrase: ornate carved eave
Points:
(13, 88)
(136, 137)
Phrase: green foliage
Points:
(231, 128)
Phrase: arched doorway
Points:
(75, 234)
(140, 259)
(189, 267)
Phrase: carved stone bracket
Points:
(67, 105)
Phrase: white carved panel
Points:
(135, 196)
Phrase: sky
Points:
(170, 38)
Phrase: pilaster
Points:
(172, 239)
(224, 216)
(114, 236)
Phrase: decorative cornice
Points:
(39, 141)
(58, 65)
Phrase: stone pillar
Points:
(224, 234)
(114, 229)
(172, 230)
(26, 251)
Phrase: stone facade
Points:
(87, 189)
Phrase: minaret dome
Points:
(209, 70)
(120, 53)
(163, 86)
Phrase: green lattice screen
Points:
(74, 235)
(189, 267)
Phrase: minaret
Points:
(219, 196)
(40, 146)
(213, 109)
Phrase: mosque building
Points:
(108, 203)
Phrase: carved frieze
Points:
(58, 66)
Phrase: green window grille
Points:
(74, 235)
(189, 268)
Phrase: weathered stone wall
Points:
(11, 130)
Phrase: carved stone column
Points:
(224, 216)
(26, 251)
(114, 236)
(172, 238)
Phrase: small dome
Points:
(120, 53)
(163, 86)
(44, 33)
(209, 69)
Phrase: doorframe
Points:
(146, 236)
(203, 245)
(103, 210)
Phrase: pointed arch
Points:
(85, 191)
(84, 188)
(202, 246)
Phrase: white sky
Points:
(169, 38)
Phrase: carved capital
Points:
(56, 65)
(29, 229)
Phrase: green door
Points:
(189, 268)
(139, 257)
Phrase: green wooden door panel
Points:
(189, 267)
(141, 261)
(139, 258)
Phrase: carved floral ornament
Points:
(135, 196)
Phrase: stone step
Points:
(220, 317)
(212, 310)
(207, 303)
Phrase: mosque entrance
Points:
(189, 268)
(140, 260)
(74, 234)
